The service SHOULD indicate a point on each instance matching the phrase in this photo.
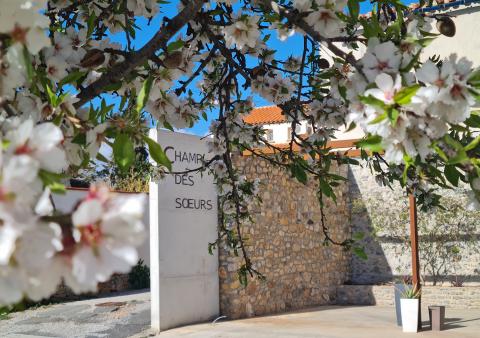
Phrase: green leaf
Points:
(461, 157)
(28, 63)
(473, 144)
(173, 46)
(474, 120)
(440, 152)
(354, 8)
(327, 189)
(123, 151)
(372, 143)
(408, 163)
(360, 253)
(168, 125)
(474, 79)
(371, 27)
(393, 115)
(424, 42)
(72, 77)
(52, 97)
(299, 173)
(157, 153)
(112, 87)
(91, 24)
(372, 101)
(80, 138)
(351, 127)
(143, 95)
(379, 118)
(53, 181)
(404, 96)
(452, 174)
(102, 158)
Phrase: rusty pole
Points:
(414, 245)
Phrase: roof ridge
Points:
(270, 106)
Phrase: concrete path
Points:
(116, 316)
(128, 315)
(330, 322)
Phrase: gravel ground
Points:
(124, 315)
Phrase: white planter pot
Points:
(410, 308)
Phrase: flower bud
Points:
(446, 26)
(93, 58)
(173, 60)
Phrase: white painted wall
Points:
(184, 277)
(68, 201)
(466, 41)
(280, 131)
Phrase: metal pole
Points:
(415, 258)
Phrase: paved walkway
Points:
(128, 315)
(331, 322)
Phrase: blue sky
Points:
(291, 46)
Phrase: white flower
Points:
(14, 222)
(380, 58)
(243, 32)
(216, 146)
(41, 142)
(325, 22)
(302, 5)
(12, 71)
(387, 88)
(62, 47)
(29, 105)
(109, 230)
(73, 152)
(429, 73)
(162, 105)
(11, 285)
(37, 245)
(24, 22)
(327, 113)
(19, 184)
(56, 68)
(283, 31)
(95, 139)
(274, 87)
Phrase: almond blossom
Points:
(324, 20)
(380, 58)
(243, 32)
(108, 230)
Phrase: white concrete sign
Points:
(183, 275)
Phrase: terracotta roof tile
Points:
(265, 115)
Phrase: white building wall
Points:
(466, 41)
(280, 131)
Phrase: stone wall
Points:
(382, 214)
(453, 297)
(116, 283)
(286, 245)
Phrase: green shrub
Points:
(139, 277)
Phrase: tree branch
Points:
(137, 58)
(298, 21)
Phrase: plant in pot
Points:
(410, 306)
(399, 287)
